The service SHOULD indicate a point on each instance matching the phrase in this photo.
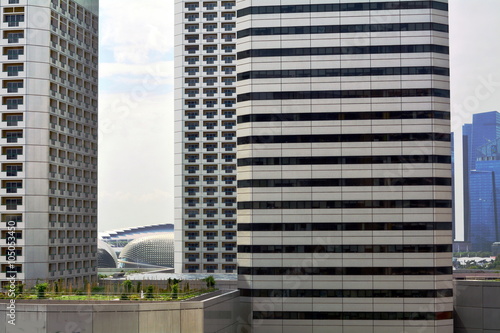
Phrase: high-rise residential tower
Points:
(205, 97)
(344, 187)
(49, 141)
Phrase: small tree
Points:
(210, 281)
(175, 291)
(138, 287)
(41, 288)
(127, 286)
(149, 292)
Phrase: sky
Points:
(136, 124)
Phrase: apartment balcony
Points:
(191, 52)
(191, 85)
(19, 242)
(211, 63)
(191, 20)
(210, 260)
(211, 30)
(14, 141)
(192, 260)
(210, 19)
(5, 276)
(209, 227)
(5, 259)
(210, 238)
(8, 191)
(13, 25)
(191, 249)
(13, 108)
(14, 41)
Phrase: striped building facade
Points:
(344, 189)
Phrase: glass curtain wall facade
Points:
(483, 209)
(484, 196)
(476, 138)
(344, 177)
(205, 98)
(49, 141)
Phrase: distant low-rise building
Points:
(118, 239)
(106, 256)
(149, 251)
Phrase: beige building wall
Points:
(49, 140)
(205, 136)
(344, 196)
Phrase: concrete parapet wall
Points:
(477, 306)
(215, 313)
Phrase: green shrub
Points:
(127, 286)
(149, 292)
(175, 291)
(41, 288)
(97, 289)
(210, 281)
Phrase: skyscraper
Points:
(205, 97)
(484, 198)
(466, 167)
(49, 141)
(344, 189)
(477, 140)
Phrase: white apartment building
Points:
(344, 182)
(49, 141)
(205, 135)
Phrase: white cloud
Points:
(134, 30)
(161, 69)
(136, 170)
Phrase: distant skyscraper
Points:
(484, 198)
(480, 170)
(466, 167)
(205, 97)
(49, 141)
(344, 188)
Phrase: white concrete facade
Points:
(49, 140)
(344, 196)
(205, 136)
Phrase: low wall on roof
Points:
(477, 306)
(211, 313)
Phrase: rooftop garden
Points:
(175, 290)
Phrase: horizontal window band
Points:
(317, 160)
(321, 315)
(339, 72)
(343, 50)
(440, 248)
(365, 137)
(344, 7)
(323, 182)
(348, 293)
(353, 226)
(340, 29)
(338, 94)
(333, 116)
(345, 204)
(446, 270)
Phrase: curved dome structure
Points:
(106, 257)
(149, 251)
